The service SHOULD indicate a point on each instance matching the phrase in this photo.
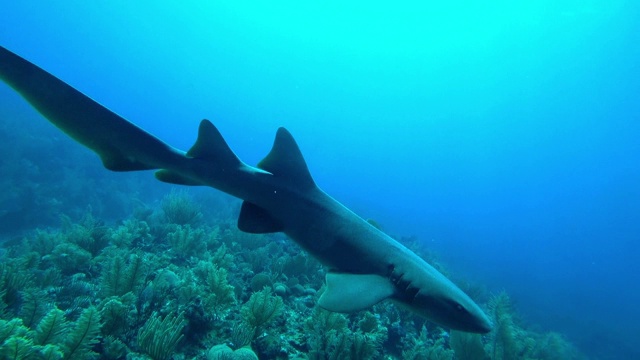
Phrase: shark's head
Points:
(430, 294)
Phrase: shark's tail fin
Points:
(121, 145)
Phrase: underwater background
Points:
(499, 139)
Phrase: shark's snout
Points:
(482, 326)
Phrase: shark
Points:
(364, 265)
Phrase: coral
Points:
(180, 209)
(52, 329)
(188, 242)
(50, 352)
(83, 336)
(509, 340)
(503, 344)
(11, 328)
(3, 305)
(14, 278)
(222, 257)
(327, 335)
(553, 346)
(17, 348)
(34, 305)
(424, 348)
(115, 312)
(261, 308)
(119, 279)
(221, 296)
(200, 321)
(159, 338)
(43, 242)
(467, 346)
(71, 258)
(241, 335)
(224, 352)
(113, 348)
(260, 281)
(132, 232)
(89, 234)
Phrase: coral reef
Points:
(129, 271)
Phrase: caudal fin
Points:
(121, 145)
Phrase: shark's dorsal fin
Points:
(256, 220)
(354, 292)
(285, 161)
(210, 147)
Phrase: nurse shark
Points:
(365, 266)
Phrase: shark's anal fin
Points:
(256, 220)
(354, 292)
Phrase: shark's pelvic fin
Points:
(354, 292)
(285, 162)
(256, 220)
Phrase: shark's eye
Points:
(457, 306)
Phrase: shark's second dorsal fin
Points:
(285, 161)
(210, 147)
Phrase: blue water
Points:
(505, 135)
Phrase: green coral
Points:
(11, 328)
(119, 278)
(467, 346)
(34, 305)
(115, 314)
(83, 336)
(224, 352)
(15, 277)
(327, 335)
(89, 233)
(187, 241)
(220, 293)
(52, 329)
(159, 338)
(180, 209)
(261, 308)
(423, 348)
(17, 348)
(132, 231)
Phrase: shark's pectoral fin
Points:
(256, 220)
(353, 292)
